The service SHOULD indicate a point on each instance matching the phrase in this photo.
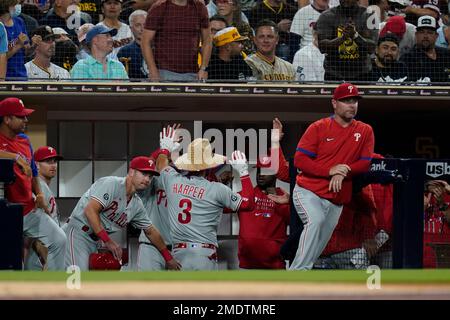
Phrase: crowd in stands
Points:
(177, 40)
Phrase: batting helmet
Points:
(106, 261)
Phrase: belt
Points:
(169, 247)
(184, 245)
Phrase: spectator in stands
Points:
(61, 17)
(30, 22)
(176, 27)
(305, 19)
(83, 53)
(18, 42)
(418, 8)
(131, 54)
(443, 40)
(217, 23)
(264, 63)
(65, 49)
(436, 219)
(378, 9)
(282, 13)
(212, 10)
(347, 41)
(385, 67)
(230, 10)
(405, 32)
(3, 51)
(426, 61)
(98, 65)
(228, 63)
(93, 8)
(41, 67)
(36, 10)
(111, 10)
(132, 5)
(308, 61)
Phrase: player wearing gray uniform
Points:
(49, 240)
(108, 206)
(155, 202)
(196, 204)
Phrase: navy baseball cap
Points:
(95, 31)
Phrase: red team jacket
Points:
(262, 233)
(21, 190)
(435, 229)
(325, 144)
(356, 224)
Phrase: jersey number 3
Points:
(185, 216)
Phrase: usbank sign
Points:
(437, 169)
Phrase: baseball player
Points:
(47, 163)
(14, 144)
(264, 63)
(108, 206)
(155, 202)
(328, 154)
(196, 204)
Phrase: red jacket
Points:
(262, 232)
(356, 224)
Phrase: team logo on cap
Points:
(150, 162)
(21, 102)
(50, 149)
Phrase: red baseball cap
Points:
(14, 107)
(263, 162)
(144, 164)
(395, 25)
(44, 153)
(346, 90)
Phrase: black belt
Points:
(169, 247)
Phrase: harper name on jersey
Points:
(188, 190)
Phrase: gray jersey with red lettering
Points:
(110, 192)
(195, 206)
(155, 202)
(49, 200)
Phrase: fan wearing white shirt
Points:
(111, 11)
(308, 62)
(305, 19)
(41, 67)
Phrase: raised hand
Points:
(239, 163)
(277, 131)
(167, 138)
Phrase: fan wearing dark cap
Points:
(98, 66)
(329, 154)
(426, 60)
(108, 206)
(385, 66)
(46, 227)
(41, 67)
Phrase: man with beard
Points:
(228, 63)
(262, 232)
(385, 66)
(348, 40)
(329, 154)
(425, 60)
(41, 67)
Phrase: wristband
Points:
(157, 152)
(166, 255)
(103, 235)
